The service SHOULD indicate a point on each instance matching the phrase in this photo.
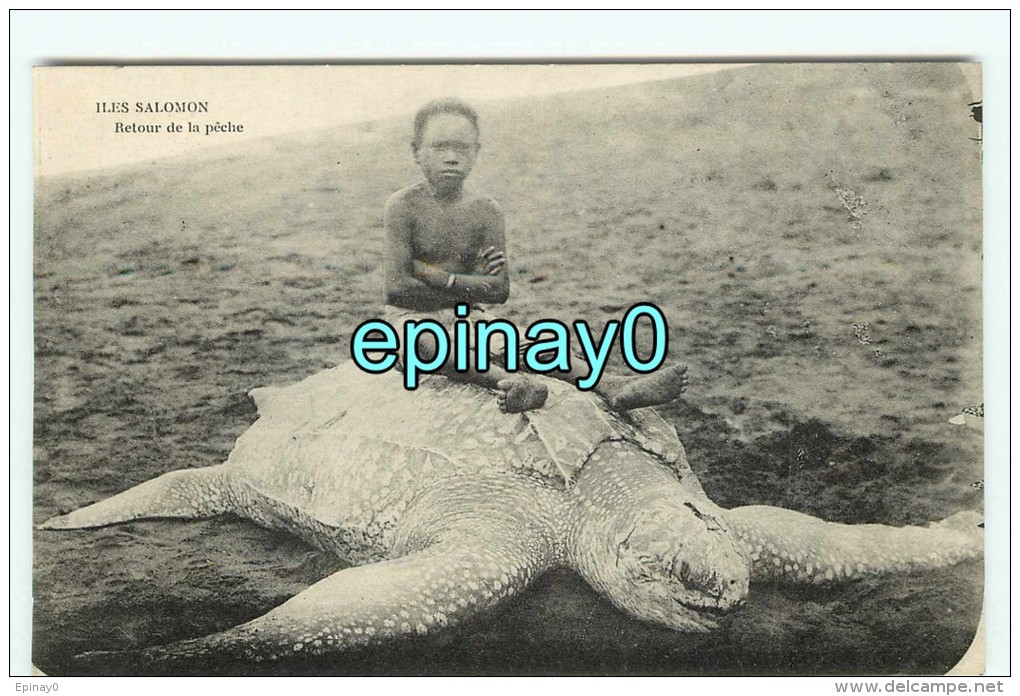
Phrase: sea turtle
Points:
(447, 507)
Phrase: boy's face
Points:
(447, 152)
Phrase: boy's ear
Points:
(414, 152)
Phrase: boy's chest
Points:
(447, 234)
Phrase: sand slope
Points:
(766, 210)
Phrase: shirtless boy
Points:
(446, 245)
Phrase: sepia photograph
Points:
(489, 369)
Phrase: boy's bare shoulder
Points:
(404, 197)
(409, 198)
(483, 204)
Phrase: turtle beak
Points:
(689, 568)
(710, 564)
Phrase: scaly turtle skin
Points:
(450, 507)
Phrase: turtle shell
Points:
(350, 449)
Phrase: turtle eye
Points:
(683, 573)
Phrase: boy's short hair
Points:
(449, 105)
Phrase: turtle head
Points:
(661, 552)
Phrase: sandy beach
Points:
(812, 234)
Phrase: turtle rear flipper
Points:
(189, 494)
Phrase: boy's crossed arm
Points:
(416, 284)
(485, 285)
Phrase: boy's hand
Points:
(493, 259)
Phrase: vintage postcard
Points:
(508, 369)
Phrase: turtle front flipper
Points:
(189, 493)
(440, 585)
(789, 546)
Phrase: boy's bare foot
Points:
(516, 395)
(653, 389)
